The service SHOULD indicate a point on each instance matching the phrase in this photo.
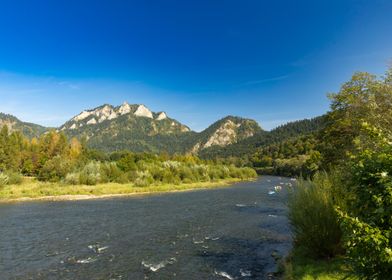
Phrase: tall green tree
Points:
(363, 99)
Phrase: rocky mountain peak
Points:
(125, 108)
(143, 111)
(226, 131)
(161, 116)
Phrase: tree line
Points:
(54, 158)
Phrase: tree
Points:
(362, 99)
(367, 224)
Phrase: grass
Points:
(32, 188)
(299, 266)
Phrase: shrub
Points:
(186, 175)
(214, 173)
(90, 174)
(4, 179)
(110, 172)
(144, 179)
(127, 163)
(367, 225)
(14, 178)
(55, 169)
(313, 216)
(157, 173)
(72, 178)
(170, 178)
(202, 172)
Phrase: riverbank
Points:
(299, 266)
(32, 189)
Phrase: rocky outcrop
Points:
(225, 132)
(143, 111)
(224, 135)
(161, 116)
(108, 112)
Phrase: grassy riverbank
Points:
(299, 266)
(33, 189)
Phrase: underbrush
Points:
(299, 266)
(313, 217)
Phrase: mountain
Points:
(227, 131)
(129, 126)
(160, 123)
(137, 128)
(282, 133)
(30, 130)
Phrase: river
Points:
(225, 233)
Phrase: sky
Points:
(272, 61)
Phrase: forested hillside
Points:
(14, 124)
(289, 150)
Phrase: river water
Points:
(227, 233)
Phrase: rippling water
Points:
(227, 233)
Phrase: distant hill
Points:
(137, 128)
(264, 138)
(30, 130)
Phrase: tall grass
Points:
(313, 216)
(32, 188)
(10, 178)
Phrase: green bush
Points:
(10, 178)
(72, 178)
(14, 178)
(110, 172)
(367, 225)
(248, 173)
(4, 179)
(90, 174)
(144, 179)
(313, 216)
(157, 173)
(186, 174)
(55, 169)
(170, 178)
(127, 163)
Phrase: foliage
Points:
(14, 178)
(312, 214)
(10, 178)
(4, 179)
(368, 222)
(72, 178)
(90, 174)
(55, 159)
(288, 150)
(28, 129)
(54, 169)
(363, 99)
(248, 147)
(110, 172)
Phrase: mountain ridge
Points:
(30, 130)
(135, 127)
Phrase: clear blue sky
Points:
(273, 61)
